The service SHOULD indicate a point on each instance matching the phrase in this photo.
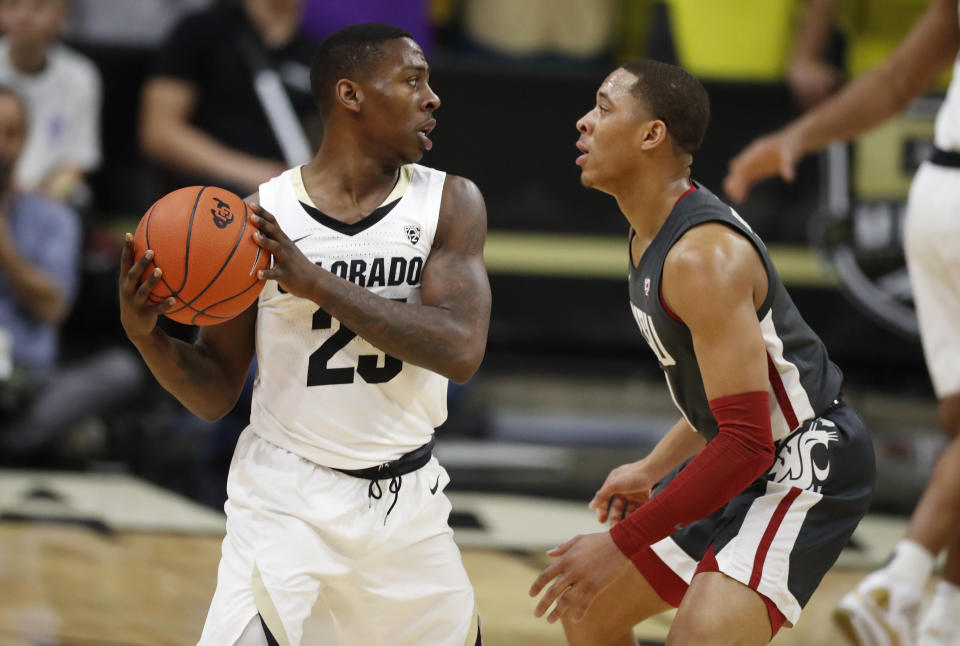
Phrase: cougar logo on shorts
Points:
(795, 464)
(413, 233)
(222, 215)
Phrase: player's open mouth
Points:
(424, 131)
(582, 158)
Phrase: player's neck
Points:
(347, 182)
(29, 60)
(647, 204)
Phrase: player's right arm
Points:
(207, 375)
(865, 103)
(629, 485)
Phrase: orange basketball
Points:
(202, 240)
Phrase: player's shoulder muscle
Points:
(463, 215)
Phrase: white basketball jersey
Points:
(322, 392)
(947, 132)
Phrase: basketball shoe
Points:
(878, 613)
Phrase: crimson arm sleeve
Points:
(740, 453)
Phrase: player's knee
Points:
(698, 630)
(692, 634)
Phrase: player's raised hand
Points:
(626, 488)
(138, 314)
(585, 565)
(290, 267)
(774, 154)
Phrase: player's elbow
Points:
(466, 362)
(212, 411)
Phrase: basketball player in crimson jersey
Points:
(336, 523)
(760, 484)
(884, 608)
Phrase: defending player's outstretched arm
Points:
(710, 270)
(629, 485)
(714, 281)
(447, 331)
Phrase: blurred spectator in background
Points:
(62, 93)
(229, 100)
(812, 77)
(39, 272)
(129, 23)
(322, 17)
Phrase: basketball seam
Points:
(188, 306)
(146, 237)
(163, 279)
(186, 258)
(203, 312)
(226, 262)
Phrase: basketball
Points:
(202, 240)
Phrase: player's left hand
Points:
(585, 565)
(290, 267)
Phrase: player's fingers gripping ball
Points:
(200, 236)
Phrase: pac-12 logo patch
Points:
(413, 233)
(646, 287)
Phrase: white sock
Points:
(911, 565)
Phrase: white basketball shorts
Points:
(322, 562)
(932, 246)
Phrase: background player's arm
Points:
(207, 375)
(447, 331)
(866, 102)
(167, 136)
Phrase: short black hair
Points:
(348, 53)
(676, 97)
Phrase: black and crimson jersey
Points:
(803, 381)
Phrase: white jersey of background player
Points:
(932, 245)
(337, 527)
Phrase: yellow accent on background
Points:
(605, 256)
(744, 40)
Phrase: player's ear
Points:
(654, 134)
(349, 95)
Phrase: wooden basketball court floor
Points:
(110, 560)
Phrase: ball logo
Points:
(413, 233)
(222, 215)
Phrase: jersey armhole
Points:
(767, 268)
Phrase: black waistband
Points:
(403, 465)
(945, 158)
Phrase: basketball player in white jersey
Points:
(884, 607)
(337, 527)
